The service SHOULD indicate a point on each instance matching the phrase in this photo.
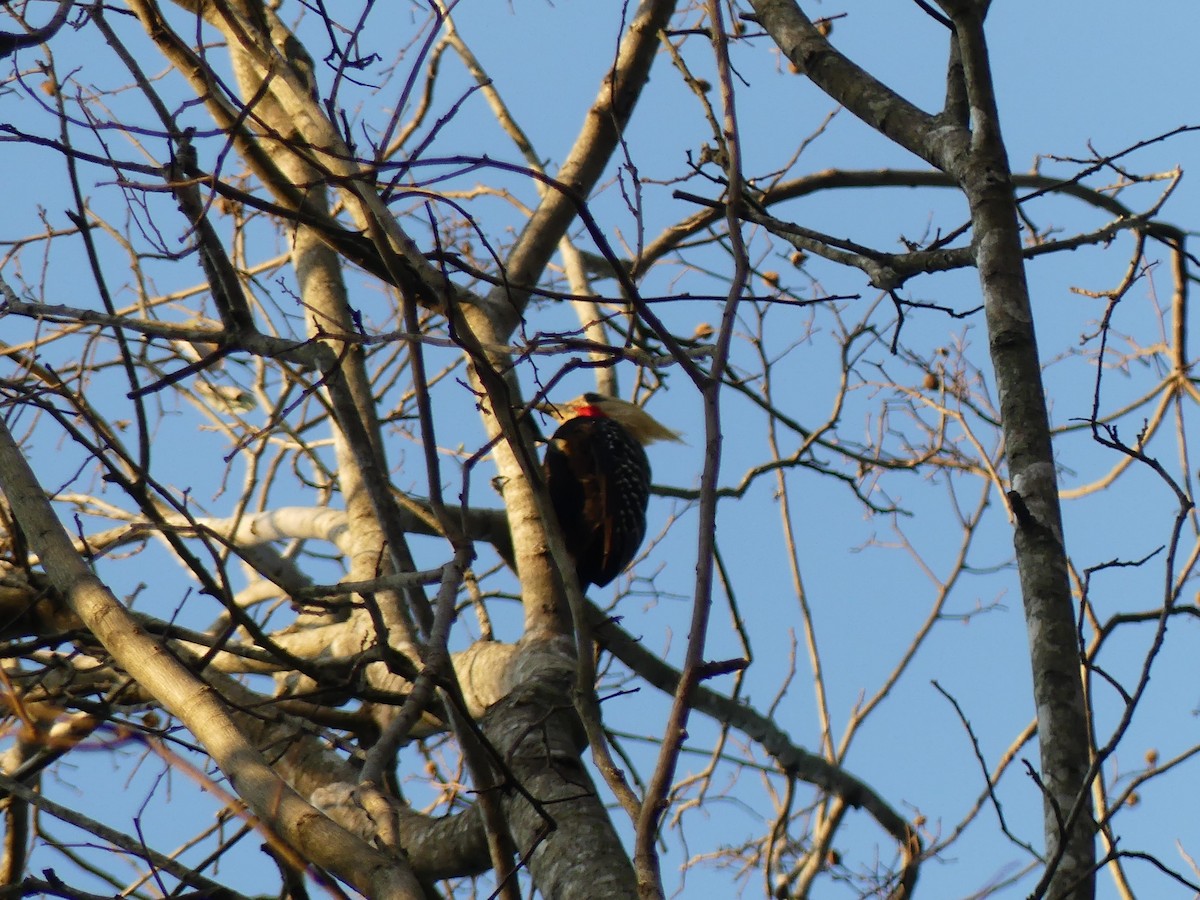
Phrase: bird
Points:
(598, 477)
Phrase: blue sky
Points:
(1070, 75)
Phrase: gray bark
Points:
(972, 152)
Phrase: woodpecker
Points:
(599, 481)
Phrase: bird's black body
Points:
(599, 481)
